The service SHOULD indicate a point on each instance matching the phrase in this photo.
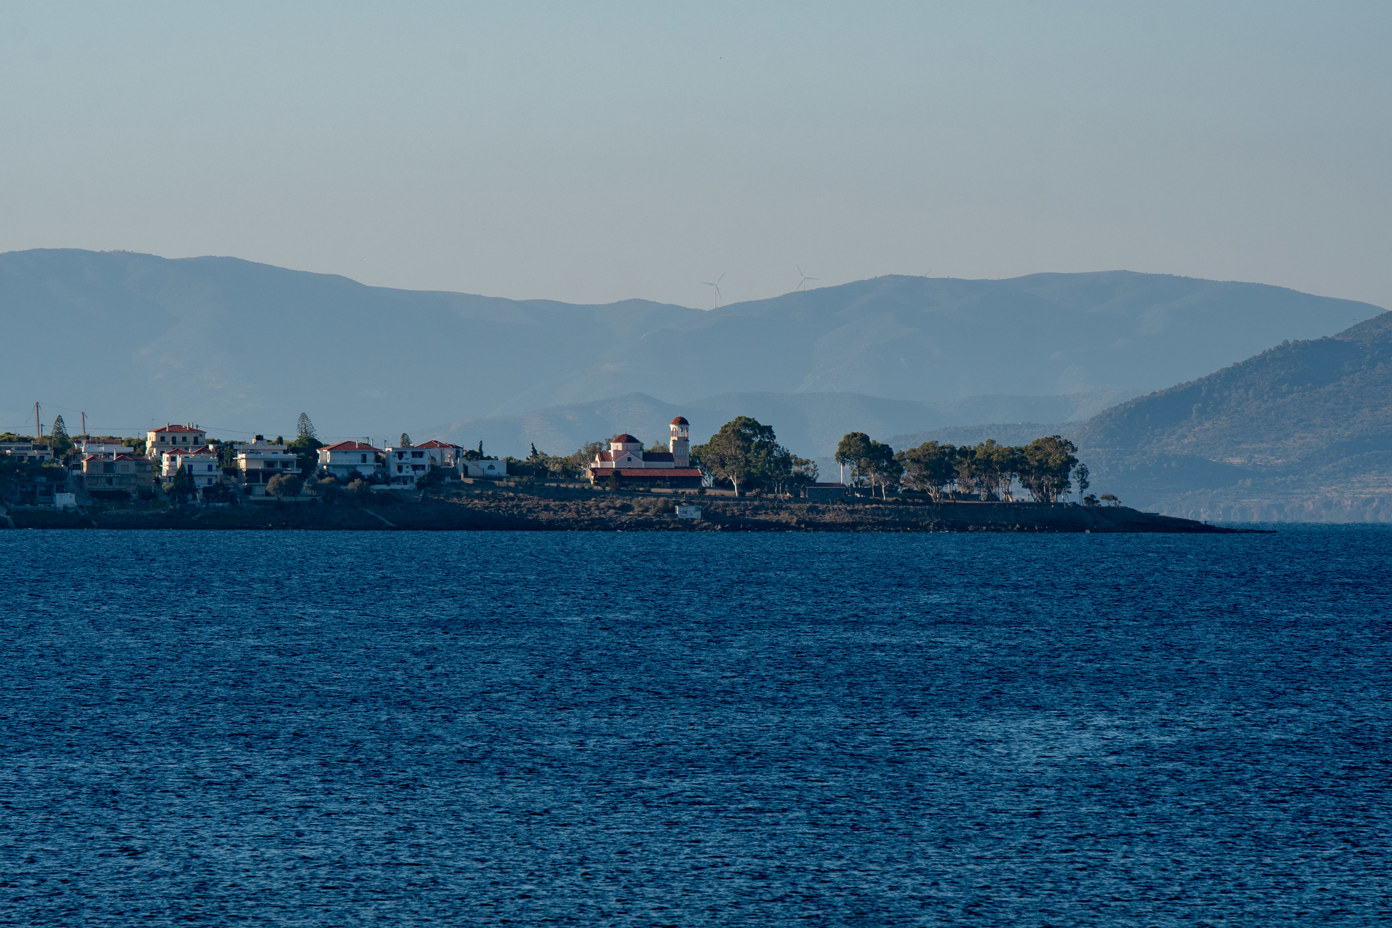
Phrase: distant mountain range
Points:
(239, 347)
(1302, 430)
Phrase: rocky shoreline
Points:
(526, 508)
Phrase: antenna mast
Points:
(38, 430)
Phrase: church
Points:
(626, 464)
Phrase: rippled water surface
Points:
(488, 729)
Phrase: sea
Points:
(380, 728)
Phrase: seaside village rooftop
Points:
(117, 469)
(181, 455)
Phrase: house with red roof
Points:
(348, 460)
(200, 463)
(173, 438)
(627, 463)
(407, 464)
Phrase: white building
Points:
(348, 459)
(626, 461)
(483, 467)
(202, 465)
(103, 447)
(259, 463)
(173, 438)
(405, 466)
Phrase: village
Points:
(179, 477)
(180, 463)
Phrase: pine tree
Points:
(304, 428)
(58, 438)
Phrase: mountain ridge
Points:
(1302, 431)
(242, 346)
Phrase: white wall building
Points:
(261, 463)
(202, 465)
(348, 459)
(173, 438)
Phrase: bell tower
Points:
(681, 442)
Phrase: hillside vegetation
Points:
(1302, 431)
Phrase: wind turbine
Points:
(716, 284)
(804, 278)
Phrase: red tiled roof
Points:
(604, 456)
(180, 428)
(658, 473)
(437, 444)
(349, 446)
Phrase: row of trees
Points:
(1046, 468)
(747, 454)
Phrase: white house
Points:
(105, 447)
(348, 459)
(173, 438)
(260, 463)
(27, 451)
(404, 466)
(483, 467)
(202, 465)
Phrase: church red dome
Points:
(680, 420)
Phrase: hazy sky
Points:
(591, 152)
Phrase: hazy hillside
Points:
(134, 339)
(248, 346)
(1302, 431)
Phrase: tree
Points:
(742, 450)
(879, 465)
(58, 438)
(181, 488)
(852, 448)
(306, 451)
(986, 469)
(226, 454)
(304, 428)
(327, 489)
(405, 441)
(1047, 464)
(283, 485)
(929, 468)
(1082, 474)
(1109, 499)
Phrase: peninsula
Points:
(493, 507)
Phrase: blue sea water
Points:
(330, 729)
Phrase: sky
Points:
(603, 151)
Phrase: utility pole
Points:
(38, 429)
(84, 425)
